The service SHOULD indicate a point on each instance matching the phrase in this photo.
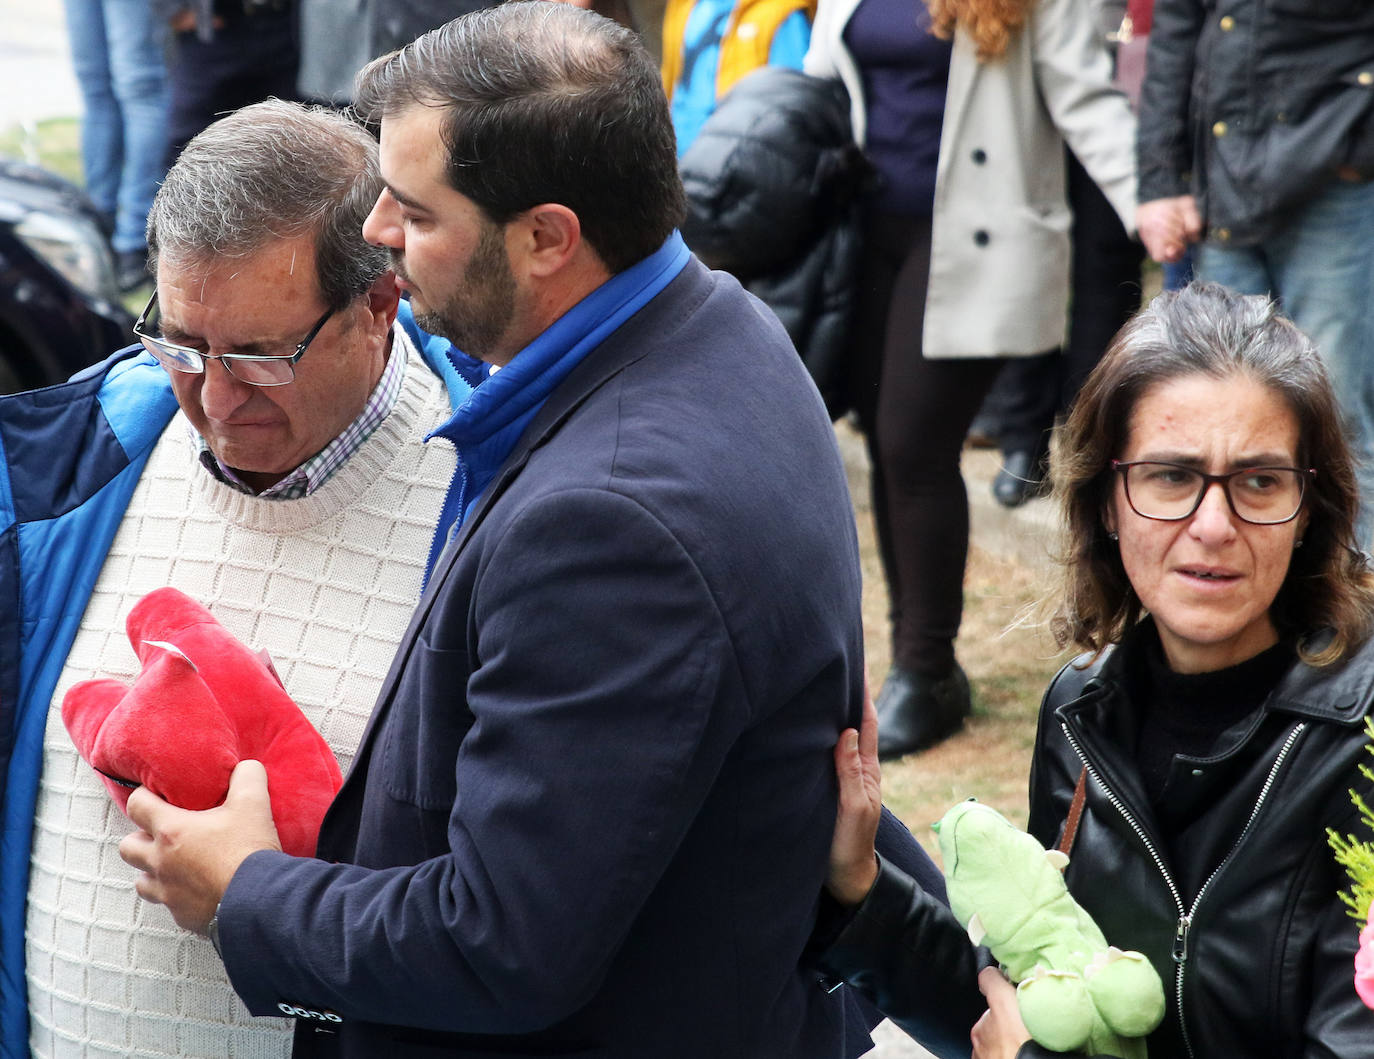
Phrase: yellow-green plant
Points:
(1355, 855)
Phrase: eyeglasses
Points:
(256, 369)
(1170, 492)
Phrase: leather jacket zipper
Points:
(1185, 915)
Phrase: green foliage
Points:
(1356, 856)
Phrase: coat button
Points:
(1228, 23)
(981, 237)
(979, 155)
(1222, 234)
(1365, 77)
(1219, 129)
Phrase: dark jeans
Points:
(250, 58)
(914, 413)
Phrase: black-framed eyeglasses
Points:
(1170, 492)
(256, 369)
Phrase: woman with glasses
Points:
(1215, 728)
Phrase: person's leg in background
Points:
(253, 53)
(919, 416)
(139, 74)
(1038, 389)
(1320, 268)
(1023, 400)
(1105, 281)
(102, 129)
(887, 242)
(1323, 267)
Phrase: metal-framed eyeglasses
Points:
(1171, 492)
(256, 369)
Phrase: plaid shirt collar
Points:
(317, 470)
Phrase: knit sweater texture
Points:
(325, 583)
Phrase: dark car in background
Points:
(59, 302)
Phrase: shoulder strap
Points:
(1080, 795)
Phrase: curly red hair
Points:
(990, 23)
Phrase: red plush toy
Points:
(203, 703)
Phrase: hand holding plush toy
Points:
(1074, 991)
(203, 703)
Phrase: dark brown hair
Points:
(545, 102)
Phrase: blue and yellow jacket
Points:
(708, 45)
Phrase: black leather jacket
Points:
(1251, 105)
(1255, 949)
(904, 950)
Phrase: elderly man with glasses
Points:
(269, 463)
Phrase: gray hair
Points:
(275, 170)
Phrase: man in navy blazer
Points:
(591, 812)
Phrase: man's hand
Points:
(853, 865)
(1000, 1033)
(187, 858)
(184, 21)
(1167, 226)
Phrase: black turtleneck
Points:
(1191, 713)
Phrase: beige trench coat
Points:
(999, 260)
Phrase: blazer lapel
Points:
(627, 345)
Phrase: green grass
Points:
(54, 144)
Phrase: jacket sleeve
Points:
(1074, 75)
(905, 951)
(1164, 145)
(604, 714)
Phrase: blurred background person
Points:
(708, 45)
(118, 56)
(225, 55)
(1031, 393)
(965, 111)
(339, 37)
(1270, 156)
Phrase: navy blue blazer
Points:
(591, 812)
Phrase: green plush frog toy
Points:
(1074, 991)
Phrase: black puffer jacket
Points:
(1255, 949)
(1251, 105)
(773, 181)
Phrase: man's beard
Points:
(478, 313)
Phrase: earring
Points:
(1297, 544)
(1111, 536)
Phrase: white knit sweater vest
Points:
(327, 585)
